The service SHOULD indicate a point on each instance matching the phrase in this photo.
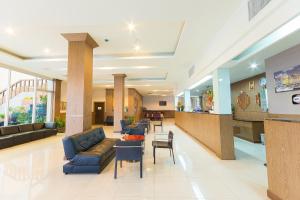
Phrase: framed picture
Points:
(162, 103)
(287, 80)
(296, 99)
(251, 85)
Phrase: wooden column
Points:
(80, 82)
(119, 93)
(109, 102)
(57, 98)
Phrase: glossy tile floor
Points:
(34, 171)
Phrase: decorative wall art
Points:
(287, 80)
(251, 85)
(63, 106)
(296, 99)
(243, 100)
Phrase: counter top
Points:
(285, 119)
(201, 113)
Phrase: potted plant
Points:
(60, 124)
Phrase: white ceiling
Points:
(242, 70)
(171, 34)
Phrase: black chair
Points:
(164, 144)
(130, 151)
(109, 121)
(144, 124)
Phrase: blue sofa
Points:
(88, 152)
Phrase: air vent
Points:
(191, 71)
(255, 6)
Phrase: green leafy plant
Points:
(60, 122)
(180, 106)
(131, 119)
(43, 99)
(1, 116)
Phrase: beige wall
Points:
(253, 112)
(281, 103)
(152, 102)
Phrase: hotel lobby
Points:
(150, 100)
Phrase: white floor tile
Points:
(34, 171)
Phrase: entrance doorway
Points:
(99, 112)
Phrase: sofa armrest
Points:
(50, 125)
(85, 160)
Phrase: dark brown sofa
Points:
(19, 134)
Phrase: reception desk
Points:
(283, 158)
(212, 130)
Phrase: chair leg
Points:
(116, 166)
(173, 156)
(154, 155)
(141, 168)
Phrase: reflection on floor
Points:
(245, 149)
(34, 171)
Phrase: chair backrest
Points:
(170, 138)
(123, 124)
(129, 150)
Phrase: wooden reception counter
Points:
(283, 158)
(212, 130)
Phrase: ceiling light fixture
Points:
(142, 67)
(47, 50)
(137, 47)
(106, 68)
(9, 31)
(253, 65)
(131, 26)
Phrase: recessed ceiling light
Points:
(9, 31)
(137, 47)
(253, 65)
(47, 50)
(106, 68)
(131, 26)
(142, 67)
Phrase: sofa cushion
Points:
(25, 127)
(85, 160)
(38, 126)
(23, 137)
(6, 141)
(87, 139)
(7, 130)
(50, 125)
(104, 149)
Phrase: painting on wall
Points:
(251, 85)
(287, 80)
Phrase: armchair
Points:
(131, 129)
(129, 150)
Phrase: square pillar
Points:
(80, 82)
(119, 95)
(56, 98)
(222, 91)
(187, 101)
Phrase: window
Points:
(3, 94)
(44, 97)
(29, 98)
(21, 98)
